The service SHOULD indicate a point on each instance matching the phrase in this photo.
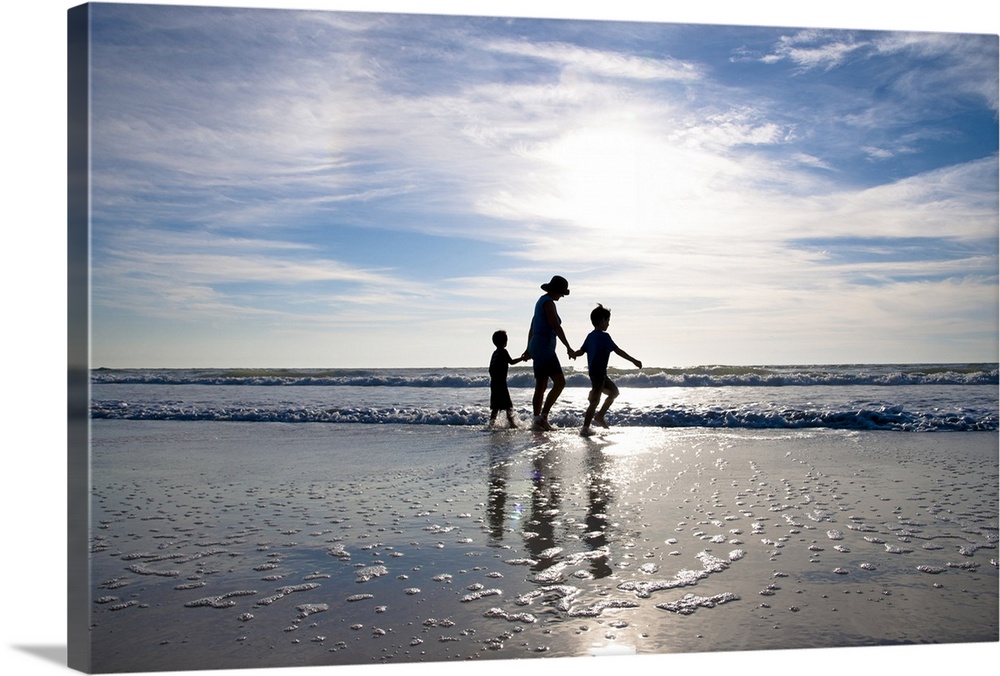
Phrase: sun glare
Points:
(620, 176)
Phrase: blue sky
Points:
(310, 188)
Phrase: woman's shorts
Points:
(546, 366)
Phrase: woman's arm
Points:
(553, 317)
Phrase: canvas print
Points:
(416, 338)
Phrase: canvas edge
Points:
(78, 338)
(78, 315)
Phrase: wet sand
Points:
(227, 545)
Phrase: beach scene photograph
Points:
(445, 340)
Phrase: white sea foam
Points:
(701, 376)
(865, 397)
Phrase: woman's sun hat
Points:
(557, 285)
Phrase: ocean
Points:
(315, 517)
(910, 398)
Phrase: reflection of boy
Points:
(598, 346)
(499, 394)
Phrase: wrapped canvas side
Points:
(78, 293)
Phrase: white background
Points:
(34, 297)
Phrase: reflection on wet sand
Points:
(511, 544)
(539, 530)
(540, 523)
(497, 490)
(598, 501)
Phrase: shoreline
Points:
(502, 545)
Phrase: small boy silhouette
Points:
(598, 346)
(499, 394)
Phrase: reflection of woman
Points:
(540, 530)
(545, 328)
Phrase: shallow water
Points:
(228, 544)
(864, 397)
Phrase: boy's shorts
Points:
(600, 381)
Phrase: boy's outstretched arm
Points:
(625, 355)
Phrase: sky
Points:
(282, 188)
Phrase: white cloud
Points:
(807, 160)
(958, 202)
(954, 65)
(186, 276)
(612, 64)
(811, 49)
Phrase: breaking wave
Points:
(701, 376)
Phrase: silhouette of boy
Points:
(598, 346)
(499, 394)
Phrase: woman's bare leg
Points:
(536, 400)
(558, 383)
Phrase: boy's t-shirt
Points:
(598, 346)
(499, 363)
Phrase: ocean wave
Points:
(701, 376)
(874, 418)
